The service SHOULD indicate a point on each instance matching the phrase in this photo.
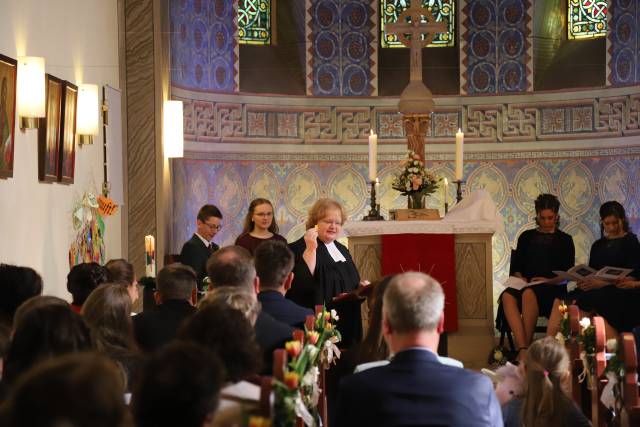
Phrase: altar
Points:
(469, 230)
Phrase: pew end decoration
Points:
(298, 383)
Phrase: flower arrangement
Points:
(414, 180)
(297, 395)
(565, 330)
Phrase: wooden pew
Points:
(598, 410)
(630, 383)
(573, 347)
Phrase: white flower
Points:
(612, 345)
(311, 377)
(334, 315)
(311, 350)
(560, 338)
(585, 323)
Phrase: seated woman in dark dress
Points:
(259, 226)
(539, 252)
(617, 303)
(324, 269)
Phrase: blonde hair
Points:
(545, 401)
(319, 211)
(237, 298)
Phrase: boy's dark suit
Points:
(195, 254)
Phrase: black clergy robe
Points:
(329, 280)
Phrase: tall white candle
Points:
(459, 155)
(373, 156)
(150, 256)
(446, 190)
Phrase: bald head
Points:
(231, 266)
(413, 302)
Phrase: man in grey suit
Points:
(416, 389)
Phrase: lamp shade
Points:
(172, 126)
(30, 90)
(87, 121)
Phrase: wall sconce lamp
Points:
(30, 91)
(87, 121)
(172, 134)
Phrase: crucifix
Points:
(416, 101)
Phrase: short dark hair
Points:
(88, 390)
(17, 284)
(207, 211)
(84, 278)
(179, 386)
(273, 261)
(42, 333)
(231, 266)
(238, 350)
(547, 201)
(176, 281)
(120, 271)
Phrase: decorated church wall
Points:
(623, 43)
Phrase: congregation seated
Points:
(546, 401)
(45, 329)
(82, 280)
(233, 266)
(83, 389)
(175, 297)
(18, 284)
(179, 386)
(107, 313)
(274, 266)
(121, 271)
(238, 298)
(415, 388)
(227, 333)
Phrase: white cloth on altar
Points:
(477, 207)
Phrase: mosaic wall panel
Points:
(623, 43)
(604, 117)
(204, 48)
(341, 47)
(496, 49)
(581, 179)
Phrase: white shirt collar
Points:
(205, 241)
(335, 252)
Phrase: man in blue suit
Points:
(415, 389)
(274, 265)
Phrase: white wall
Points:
(79, 40)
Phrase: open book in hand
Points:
(518, 283)
(358, 294)
(582, 272)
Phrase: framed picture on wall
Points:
(49, 131)
(68, 133)
(7, 114)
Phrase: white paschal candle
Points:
(150, 256)
(446, 190)
(373, 156)
(459, 155)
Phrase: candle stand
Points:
(458, 184)
(374, 212)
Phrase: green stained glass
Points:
(442, 10)
(254, 21)
(587, 19)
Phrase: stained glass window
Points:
(587, 19)
(254, 21)
(442, 10)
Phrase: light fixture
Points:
(88, 113)
(30, 91)
(172, 122)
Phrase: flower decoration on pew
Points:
(587, 340)
(565, 330)
(297, 396)
(612, 397)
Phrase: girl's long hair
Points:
(248, 219)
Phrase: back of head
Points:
(17, 284)
(227, 333)
(547, 367)
(373, 346)
(42, 333)
(107, 311)
(36, 302)
(207, 211)
(231, 266)
(413, 302)
(238, 298)
(176, 281)
(84, 278)
(179, 386)
(74, 390)
(273, 261)
(120, 271)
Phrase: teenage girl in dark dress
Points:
(539, 252)
(259, 226)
